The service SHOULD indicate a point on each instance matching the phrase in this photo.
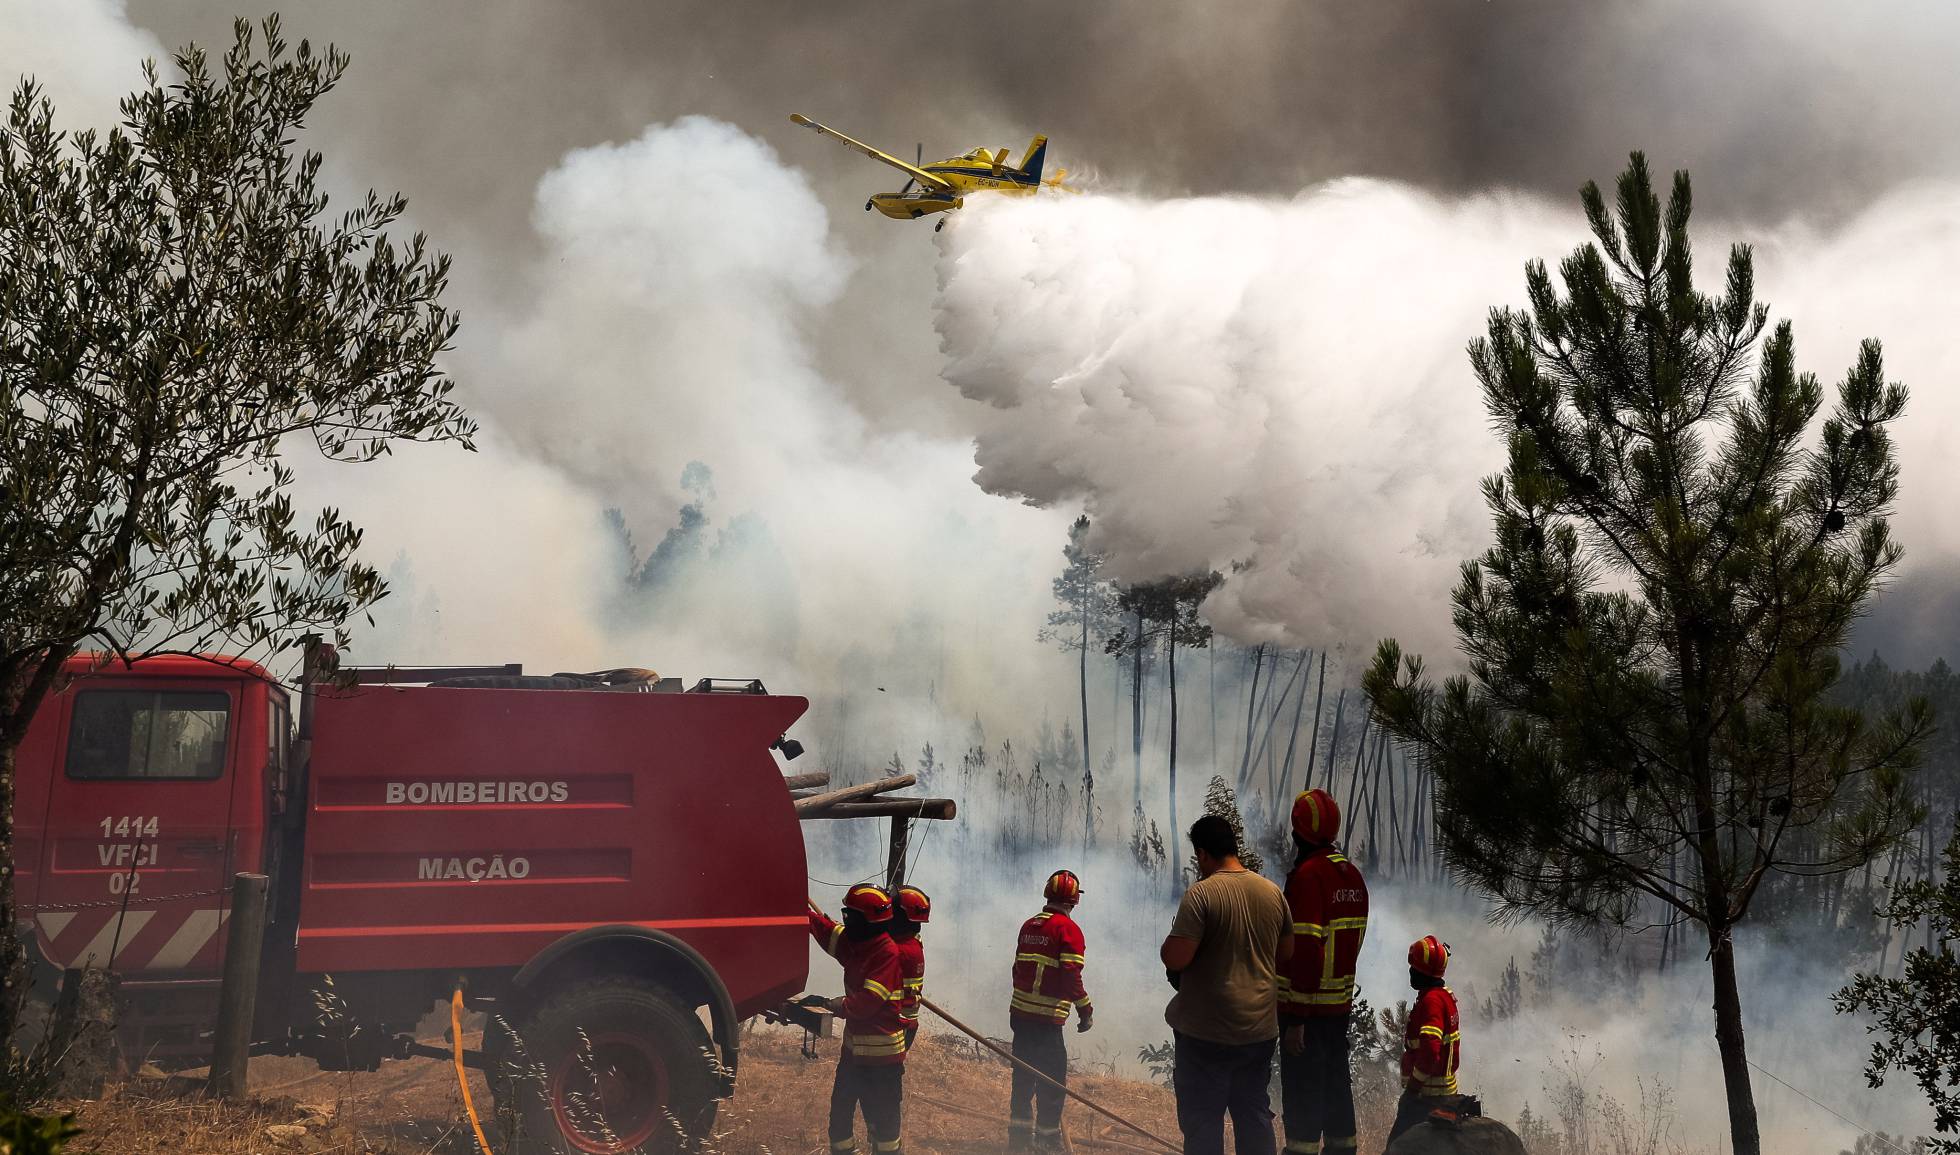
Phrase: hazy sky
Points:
(1795, 116)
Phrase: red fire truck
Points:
(614, 869)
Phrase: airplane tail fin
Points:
(1037, 152)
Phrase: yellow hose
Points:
(462, 1077)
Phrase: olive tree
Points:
(178, 312)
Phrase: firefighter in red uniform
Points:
(1430, 1044)
(1316, 989)
(871, 1066)
(1047, 982)
(914, 911)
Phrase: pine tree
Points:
(1086, 604)
(1220, 801)
(1651, 638)
(1166, 611)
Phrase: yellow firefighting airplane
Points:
(940, 185)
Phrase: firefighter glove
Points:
(1084, 1019)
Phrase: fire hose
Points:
(996, 1048)
(462, 1076)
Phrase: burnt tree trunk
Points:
(1251, 708)
(1334, 741)
(1280, 802)
(1354, 783)
(1082, 681)
(1313, 743)
(1175, 862)
(1136, 708)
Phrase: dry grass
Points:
(955, 1104)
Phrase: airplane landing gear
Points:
(867, 206)
(940, 225)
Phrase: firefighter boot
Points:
(1048, 1139)
(1020, 1134)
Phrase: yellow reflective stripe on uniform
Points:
(888, 1144)
(1303, 1147)
(877, 988)
(1314, 929)
(1324, 998)
(1074, 958)
(1343, 1143)
(843, 1145)
(1037, 959)
(1435, 1031)
(830, 948)
(1337, 857)
(1350, 923)
(915, 984)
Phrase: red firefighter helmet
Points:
(1430, 955)
(870, 901)
(914, 905)
(1316, 817)
(1063, 886)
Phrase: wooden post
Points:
(238, 997)
(895, 863)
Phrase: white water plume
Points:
(1282, 385)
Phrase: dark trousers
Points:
(1034, 1108)
(880, 1092)
(1214, 1078)
(1317, 1090)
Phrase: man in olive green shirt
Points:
(1232, 933)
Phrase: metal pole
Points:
(238, 997)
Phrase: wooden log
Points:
(806, 781)
(931, 809)
(853, 793)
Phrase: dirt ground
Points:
(955, 1104)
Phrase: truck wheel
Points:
(614, 1065)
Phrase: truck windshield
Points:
(148, 734)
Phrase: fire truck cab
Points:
(614, 872)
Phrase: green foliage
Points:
(1086, 600)
(1220, 800)
(176, 312)
(24, 1134)
(1160, 1061)
(1651, 639)
(1917, 1016)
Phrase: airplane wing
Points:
(918, 174)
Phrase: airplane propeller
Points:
(920, 153)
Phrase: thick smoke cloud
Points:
(83, 54)
(1276, 386)
(1280, 386)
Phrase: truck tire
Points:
(607, 1066)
